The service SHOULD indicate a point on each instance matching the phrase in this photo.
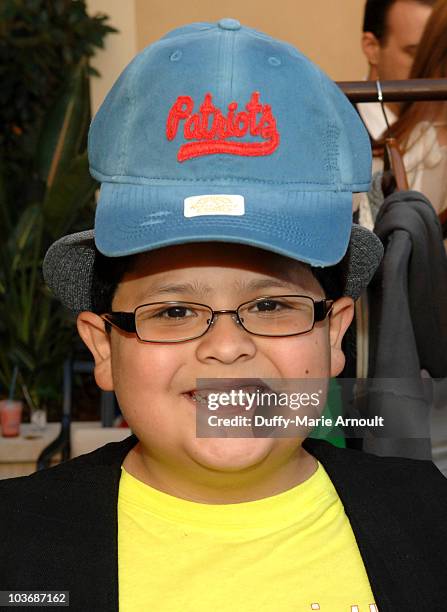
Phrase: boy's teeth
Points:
(202, 396)
(196, 397)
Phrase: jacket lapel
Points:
(99, 484)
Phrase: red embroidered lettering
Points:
(254, 108)
(241, 124)
(219, 128)
(211, 130)
(192, 127)
(207, 110)
(232, 108)
(180, 110)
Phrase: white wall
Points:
(119, 48)
(327, 31)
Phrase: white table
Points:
(18, 455)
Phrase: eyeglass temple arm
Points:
(123, 320)
(322, 309)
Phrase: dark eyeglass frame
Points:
(125, 321)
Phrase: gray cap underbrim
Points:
(69, 264)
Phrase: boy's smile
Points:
(155, 383)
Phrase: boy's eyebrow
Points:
(258, 284)
(187, 287)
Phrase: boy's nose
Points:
(226, 340)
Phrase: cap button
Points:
(229, 24)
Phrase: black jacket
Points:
(408, 295)
(408, 324)
(59, 527)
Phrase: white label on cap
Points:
(214, 204)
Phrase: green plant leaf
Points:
(64, 127)
(24, 235)
(23, 357)
(67, 197)
(5, 213)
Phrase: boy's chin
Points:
(231, 454)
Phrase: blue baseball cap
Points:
(218, 132)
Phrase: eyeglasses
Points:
(272, 316)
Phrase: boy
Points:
(223, 257)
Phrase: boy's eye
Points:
(269, 306)
(175, 312)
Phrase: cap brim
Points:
(69, 263)
(310, 226)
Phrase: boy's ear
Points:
(91, 328)
(339, 321)
(371, 49)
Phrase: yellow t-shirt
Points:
(291, 552)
